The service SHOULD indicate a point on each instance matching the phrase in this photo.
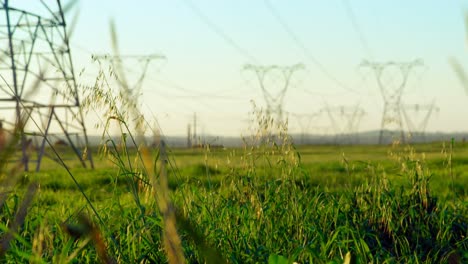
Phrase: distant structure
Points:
(304, 121)
(391, 79)
(195, 141)
(117, 62)
(345, 122)
(282, 75)
(189, 136)
(130, 89)
(37, 80)
(417, 117)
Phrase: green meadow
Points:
(268, 200)
(265, 203)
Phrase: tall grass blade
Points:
(172, 242)
(19, 218)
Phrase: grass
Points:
(391, 205)
(267, 202)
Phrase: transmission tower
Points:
(117, 63)
(320, 134)
(304, 121)
(345, 122)
(282, 76)
(392, 78)
(131, 89)
(37, 81)
(417, 117)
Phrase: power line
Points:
(392, 91)
(219, 31)
(304, 49)
(345, 121)
(357, 29)
(116, 61)
(194, 94)
(189, 92)
(151, 77)
(410, 114)
(304, 121)
(145, 59)
(274, 102)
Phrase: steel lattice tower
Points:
(392, 78)
(131, 89)
(37, 80)
(345, 121)
(418, 126)
(304, 121)
(274, 102)
(117, 63)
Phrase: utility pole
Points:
(38, 84)
(391, 79)
(195, 140)
(189, 136)
(283, 75)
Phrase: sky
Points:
(207, 43)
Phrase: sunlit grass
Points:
(268, 201)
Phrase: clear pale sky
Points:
(208, 42)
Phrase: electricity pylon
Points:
(320, 133)
(117, 63)
(37, 81)
(131, 89)
(274, 102)
(345, 122)
(417, 125)
(392, 78)
(304, 121)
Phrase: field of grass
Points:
(268, 202)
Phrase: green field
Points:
(264, 203)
